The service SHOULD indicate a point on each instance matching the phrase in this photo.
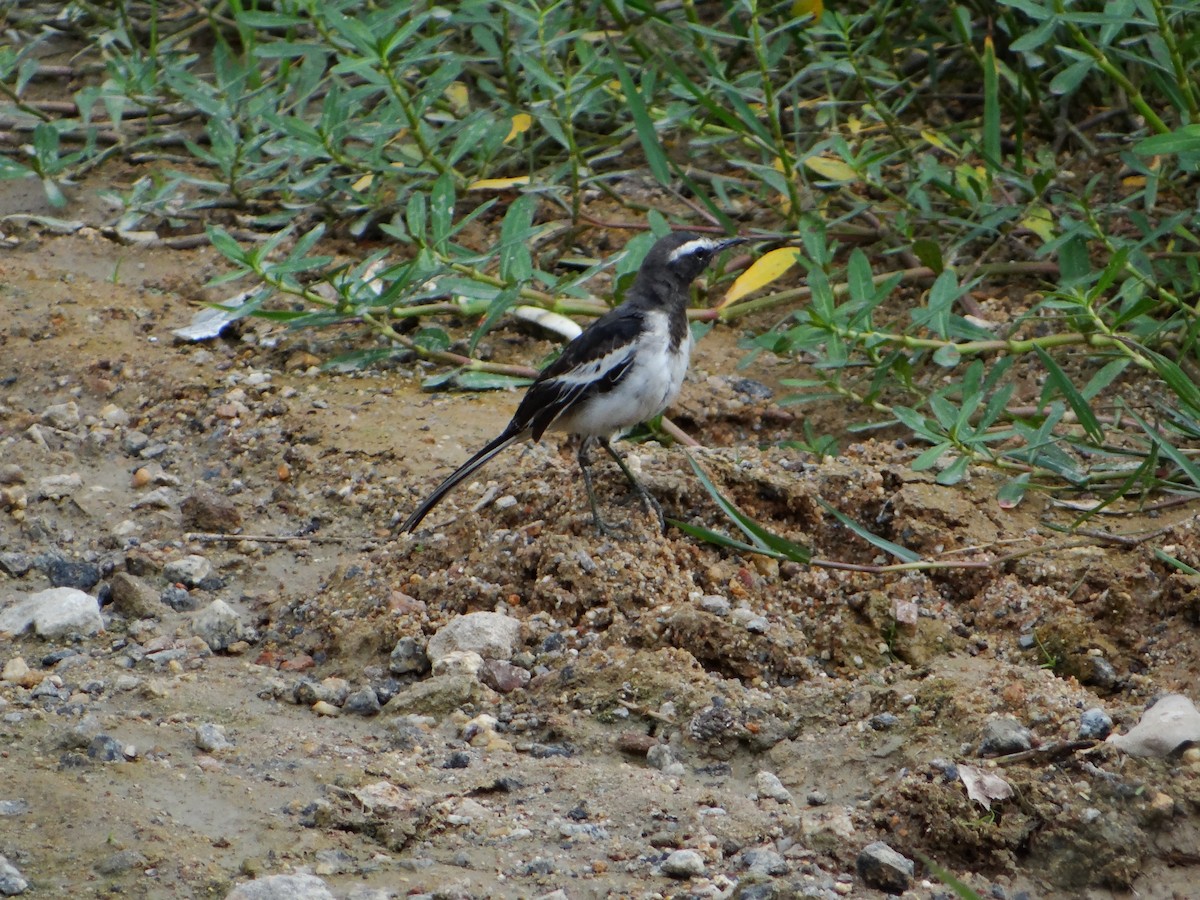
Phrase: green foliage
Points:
(928, 156)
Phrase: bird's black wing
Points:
(595, 362)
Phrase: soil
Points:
(861, 692)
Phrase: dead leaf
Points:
(766, 268)
(983, 786)
(1170, 723)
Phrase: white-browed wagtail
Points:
(623, 369)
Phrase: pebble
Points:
(121, 861)
(12, 882)
(113, 416)
(683, 864)
(1095, 724)
(134, 597)
(490, 634)
(715, 604)
(363, 702)
(502, 676)
(211, 738)
(58, 487)
(769, 785)
(322, 708)
(105, 749)
(65, 573)
(282, 887)
(16, 671)
(15, 564)
(883, 721)
(134, 442)
(218, 625)
(63, 416)
(816, 798)
(458, 662)
(879, 866)
(206, 510)
(1100, 673)
(188, 570)
(179, 598)
(11, 473)
(1004, 736)
(408, 656)
(159, 498)
(763, 862)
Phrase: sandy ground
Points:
(659, 677)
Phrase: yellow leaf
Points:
(1134, 181)
(456, 93)
(365, 182)
(521, 123)
(935, 140)
(808, 7)
(1040, 222)
(497, 184)
(830, 168)
(766, 269)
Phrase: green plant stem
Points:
(1111, 70)
(1187, 87)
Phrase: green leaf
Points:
(1177, 563)
(472, 380)
(647, 136)
(1069, 79)
(516, 263)
(764, 541)
(947, 356)
(432, 339)
(500, 304)
(225, 244)
(929, 253)
(901, 553)
(1182, 140)
(441, 210)
(1012, 492)
(1057, 379)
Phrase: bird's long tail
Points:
(504, 440)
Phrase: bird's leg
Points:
(652, 505)
(585, 460)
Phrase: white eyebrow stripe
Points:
(691, 247)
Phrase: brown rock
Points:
(207, 510)
(502, 676)
(134, 597)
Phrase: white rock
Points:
(458, 662)
(490, 634)
(64, 416)
(188, 570)
(282, 887)
(1172, 721)
(683, 864)
(55, 612)
(769, 785)
(56, 487)
(219, 625)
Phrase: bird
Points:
(625, 368)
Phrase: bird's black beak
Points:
(730, 242)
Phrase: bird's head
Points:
(682, 255)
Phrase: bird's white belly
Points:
(648, 389)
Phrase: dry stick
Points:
(212, 537)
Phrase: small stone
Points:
(219, 625)
(1004, 736)
(16, 670)
(1162, 805)
(141, 477)
(65, 573)
(11, 473)
(883, 721)
(134, 442)
(1099, 673)
(764, 863)
(458, 662)
(769, 785)
(113, 416)
(133, 597)
(408, 656)
(120, 862)
(715, 604)
(179, 598)
(15, 565)
(363, 702)
(206, 510)
(211, 738)
(490, 634)
(879, 866)
(159, 498)
(105, 749)
(324, 708)
(659, 756)
(59, 487)
(282, 887)
(816, 798)
(441, 695)
(12, 882)
(1095, 724)
(683, 864)
(63, 416)
(189, 570)
(502, 676)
